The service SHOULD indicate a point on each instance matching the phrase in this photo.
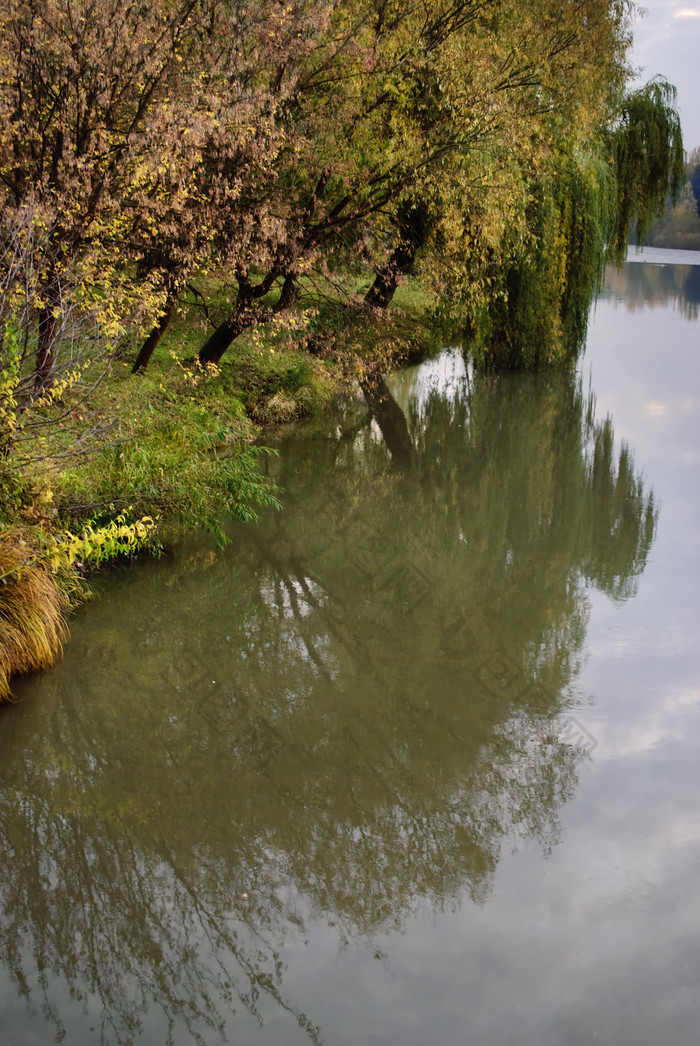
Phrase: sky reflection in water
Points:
(416, 760)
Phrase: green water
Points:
(415, 760)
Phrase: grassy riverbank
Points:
(119, 463)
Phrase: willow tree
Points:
(648, 162)
(514, 225)
(542, 278)
(581, 213)
(500, 101)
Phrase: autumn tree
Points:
(443, 119)
(354, 143)
(251, 57)
(92, 96)
(264, 143)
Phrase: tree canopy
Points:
(489, 143)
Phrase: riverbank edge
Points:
(173, 449)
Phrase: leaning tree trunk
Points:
(244, 315)
(414, 223)
(285, 265)
(148, 348)
(226, 333)
(387, 279)
(224, 336)
(289, 295)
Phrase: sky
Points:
(667, 42)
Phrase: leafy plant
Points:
(99, 544)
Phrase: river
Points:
(416, 759)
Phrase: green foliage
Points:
(10, 481)
(279, 382)
(178, 460)
(100, 544)
(541, 291)
(582, 207)
(23, 419)
(648, 162)
(9, 377)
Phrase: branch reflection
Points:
(346, 716)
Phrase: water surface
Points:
(415, 760)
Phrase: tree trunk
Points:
(244, 316)
(224, 335)
(387, 280)
(414, 223)
(46, 348)
(289, 295)
(149, 345)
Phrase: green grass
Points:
(175, 441)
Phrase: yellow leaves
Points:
(98, 544)
(217, 154)
(58, 389)
(193, 375)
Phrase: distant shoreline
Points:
(662, 255)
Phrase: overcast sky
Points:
(667, 41)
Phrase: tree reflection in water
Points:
(345, 716)
(649, 285)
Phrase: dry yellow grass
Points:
(32, 623)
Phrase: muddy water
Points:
(415, 760)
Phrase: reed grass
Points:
(32, 606)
